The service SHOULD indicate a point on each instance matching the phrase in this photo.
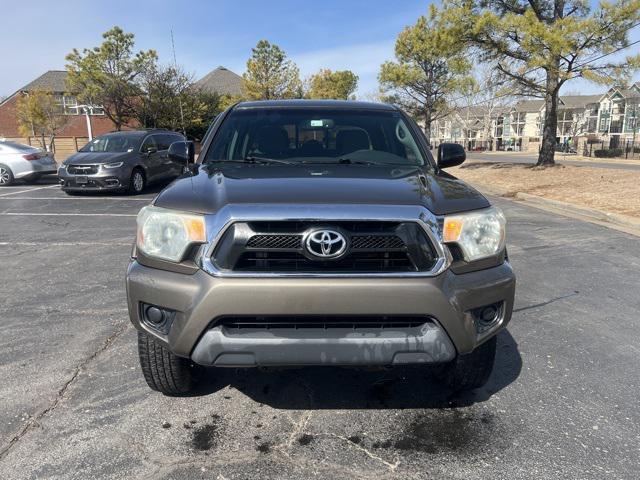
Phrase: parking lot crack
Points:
(34, 421)
(544, 304)
(357, 446)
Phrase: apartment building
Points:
(608, 120)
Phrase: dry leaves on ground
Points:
(609, 190)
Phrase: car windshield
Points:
(315, 135)
(112, 143)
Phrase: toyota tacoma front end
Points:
(318, 233)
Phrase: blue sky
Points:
(337, 34)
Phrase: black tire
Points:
(137, 182)
(165, 372)
(472, 370)
(6, 176)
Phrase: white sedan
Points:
(23, 162)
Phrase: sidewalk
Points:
(561, 156)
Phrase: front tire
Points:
(165, 372)
(137, 182)
(6, 176)
(470, 371)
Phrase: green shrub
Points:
(608, 153)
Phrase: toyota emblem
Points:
(325, 243)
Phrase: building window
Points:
(70, 105)
(604, 124)
(67, 104)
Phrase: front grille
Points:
(363, 262)
(376, 242)
(322, 321)
(373, 247)
(270, 242)
(82, 169)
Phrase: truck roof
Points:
(300, 103)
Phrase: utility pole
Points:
(175, 65)
(635, 129)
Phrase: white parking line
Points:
(148, 199)
(65, 244)
(29, 214)
(29, 190)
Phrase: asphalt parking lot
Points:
(562, 402)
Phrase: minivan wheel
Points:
(137, 182)
(6, 176)
(165, 372)
(472, 370)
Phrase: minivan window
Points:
(315, 135)
(111, 143)
(165, 141)
(148, 144)
(162, 142)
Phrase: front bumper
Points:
(200, 300)
(103, 180)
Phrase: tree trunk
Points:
(547, 150)
(427, 127)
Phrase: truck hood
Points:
(86, 158)
(214, 186)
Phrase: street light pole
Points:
(86, 108)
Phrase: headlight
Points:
(479, 234)
(112, 165)
(168, 234)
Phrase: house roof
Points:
(529, 105)
(51, 81)
(222, 81)
(577, 101)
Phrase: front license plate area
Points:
(82, 180)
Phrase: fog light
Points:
(154, 315)
(487, 317)
(488, 314)
(157, 318)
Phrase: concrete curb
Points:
(612, 161)
(560, 157)
(619, 222)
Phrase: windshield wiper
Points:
(350, 161)
(253, 159)
(256, 159)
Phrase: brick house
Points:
(75, 132)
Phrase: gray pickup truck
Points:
(318, 233)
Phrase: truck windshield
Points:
(315, 135)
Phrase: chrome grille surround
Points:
(218, 223)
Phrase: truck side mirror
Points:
(183, 152)
(450, 155)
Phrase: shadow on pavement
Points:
(344, 388)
